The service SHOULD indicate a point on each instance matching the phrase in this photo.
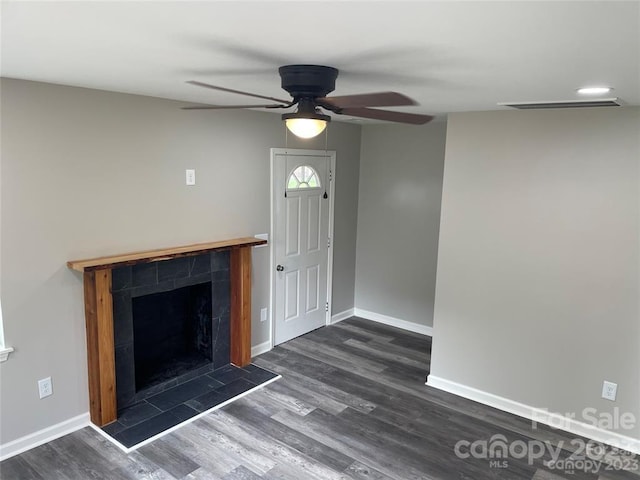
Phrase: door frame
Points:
(331, 154)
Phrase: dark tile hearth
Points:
(155, 414)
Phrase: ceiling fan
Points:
(308, 86)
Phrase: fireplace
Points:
(171, 323)
(171, 334)
(112, 282)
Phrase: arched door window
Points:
(303, 176)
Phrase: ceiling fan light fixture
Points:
(305, 127)
(307, 122)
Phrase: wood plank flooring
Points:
(351, 404)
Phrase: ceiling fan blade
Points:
(378, 99)
(239, 92)
(401, 117)
(229, 107)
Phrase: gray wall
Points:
(538, 265)
(87, 173)
(398, 220)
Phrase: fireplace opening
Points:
(171, 333)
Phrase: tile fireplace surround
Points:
(99, 308)
(170, 319)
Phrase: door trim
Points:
(331, 154)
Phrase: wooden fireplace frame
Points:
(98, 305)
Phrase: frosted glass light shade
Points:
(305, 127)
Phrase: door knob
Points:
(280, 268)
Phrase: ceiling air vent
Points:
(600, 102)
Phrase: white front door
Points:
(302, 199)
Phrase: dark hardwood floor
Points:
(351, 404)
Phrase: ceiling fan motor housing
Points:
(308, 80)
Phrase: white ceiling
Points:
(450, 56)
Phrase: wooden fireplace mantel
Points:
(98, 305)
(160, 254)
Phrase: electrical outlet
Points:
(263, 314)
(45, 388)
(609, 390)
(191, 176)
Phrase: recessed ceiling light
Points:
(594, 90)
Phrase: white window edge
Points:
(303, 189)
(4, 351)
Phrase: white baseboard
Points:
(537, 414)
(263, 347)
(338, 317)
(394, 322)
(45, 435)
